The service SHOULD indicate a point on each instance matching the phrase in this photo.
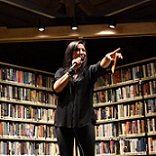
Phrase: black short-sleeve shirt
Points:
(75, 102)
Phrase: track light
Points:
(112, 23)
(41, 26)
(113, 26)
(74, 25)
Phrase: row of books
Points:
(25, 130)
(124, 128)
(10, 92)
(26, 112)
(131, 127)
(152, 144)
(132, 109)
(106, 113)
(108, 147)
(117, 94)
(144, 71)
(150, 106)
(120, 111)
(133, 146)
(106, 131)
(25, 77)
(124, 92)
(121, 147)
(126, 74)
(151, 125)
(149, 87)
(50, 149)
(28, 148)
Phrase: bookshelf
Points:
(27, 110)
(125, 106)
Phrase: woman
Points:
(74, 84)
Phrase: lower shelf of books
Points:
(28, 148)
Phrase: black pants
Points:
(85, 139)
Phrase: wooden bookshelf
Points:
(27, 110)
(125, 105)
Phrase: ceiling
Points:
(31, 13)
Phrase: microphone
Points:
(75, 63)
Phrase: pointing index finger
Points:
(117, 50)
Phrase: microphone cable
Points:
(79, 145)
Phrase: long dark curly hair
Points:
(71, 48)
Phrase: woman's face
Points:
(80, 52)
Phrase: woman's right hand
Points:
(77, 63)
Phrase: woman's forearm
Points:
(61, 83)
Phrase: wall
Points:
(48, 55)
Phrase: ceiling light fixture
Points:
(74, 26)
(41, 25)
(113, 26)
(41, 28)
(112, 23)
